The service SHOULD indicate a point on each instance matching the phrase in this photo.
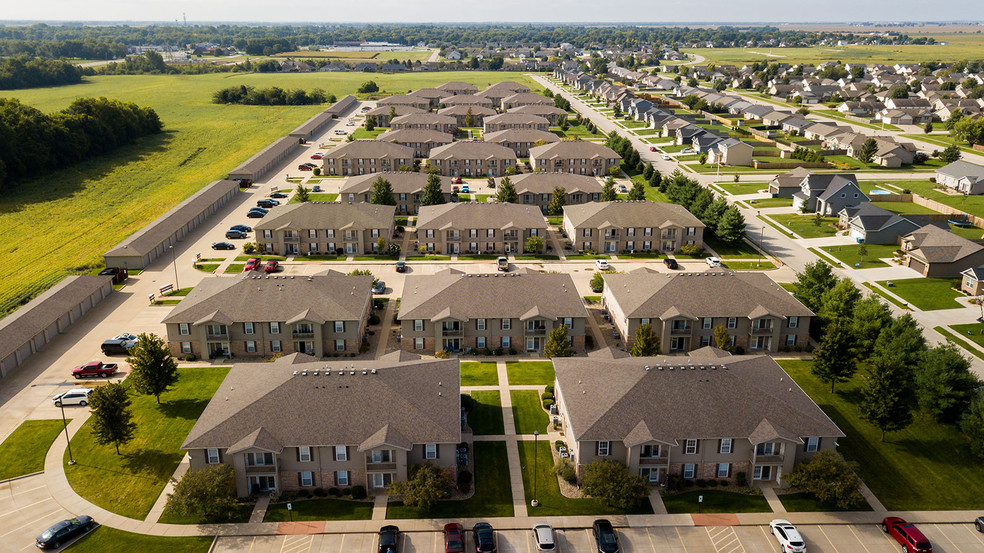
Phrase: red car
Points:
(457, 180)
(454, 540)
(252, 264)
(317, 155)
(652, 148)
(908, 536)
(271, 266)
(94, 369)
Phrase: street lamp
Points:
(536, 434)
(71, 460)
(174, 262)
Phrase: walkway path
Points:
(770, 496)
(512, 448)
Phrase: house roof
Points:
(960, 168)
(369, 149)
(936, 245)
(424, 118)
(976, 272)
(629, 214)
(521, 294)
(636, 399)
(472, 149)
(458, 85)
(403, 100)
(791, 179)
(331, 296)
(429, 93)
(465, 100)
(530, 136)
(399, 109)
(544, 183)
(409, 136)
(402, 182)
(513, 118)
(330, 215)
(538, 109)
(298, 400)
(486, 215)
(463, 110)
(839, 183)
(819, 182)
(527, 98)
(573, 149)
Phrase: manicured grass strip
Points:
(715, 501)
(740, 188)
(788, 286)
(262, 258)
(552, 502)
(240, 513)
(130, 483)
(587, 256)
(479, 257)
(764, 265)
(959, 333)
(538, 257)
(104, 539)
(926, 466)
(479, 374)
(885, 296)
(314, 197)
(771, 202)
(530, 372)
(320, 509)
(928, 294)
(805, 225)
(848, 255)
(235, 268)
(428, 258)
(802, 502)
(24, 450)
(905, 208)
(528, 413)
(493, 491)
(485, 416)
(207, 267)
(776, 226)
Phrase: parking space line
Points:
(769, 537)
(650, 536)
(296, 544)
(341, 544)
(35, 521)
(45, 500)
(724, 539)
(851, 528)
(251, 544)
(820, 527)
(679, 537)
(957, 547)
(973, 530)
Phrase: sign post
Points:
(290, 513)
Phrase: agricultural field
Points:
(61, 223)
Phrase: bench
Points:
(167, 288)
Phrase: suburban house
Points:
(684, 309)
(432, 95)
(425, 120)
(551, 113)
(383, 113)
(408, 189)
(786, 184)
(939, 253)
(757, 421)
(505, 121)
(259, 316)
(366, 156)
(731, 151)
(579, 157)
(478, 227)
(472, 158)
(325, 228)
(455, 311)
(421, 140)
(521, 140)
(455, 88)
(828, 194)
(461, 114)
(962, 176)
(537, 188)
(301, 424)
(625, 226)
(972, 280)
(871, 224)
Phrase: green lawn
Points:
(104, 539)
(957, 47)
(715, 501)
(578, 256)
(926, 466)
(771, 202)
(739, 188)
(764, 265)
(240, 513)
(575, 131)
(233, 268)
(834, 114)
(206, 267)
(957, 338)
(362, 134)
(907, 208)
(428, 258)
(328, 508)
(802, 502)
(973, 332)
(848, 255)
(970, 204)
(928, 294)
(129, 484)
(485, 417)
(24, 450)
(530, 372)
(886, 297)
(537, 257)
(944, 140)
(743, 250)
(970, 233)
(493, 492)
(805, 225)
(479, 374)
(528, 412)
(478, 257)
(315, 197)
(552, 502)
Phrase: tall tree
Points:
(646, 342)
(469, 118)
(972, 424)
(944, 383)
(887, 396)
(432, 191)
(371, 123)
(834, 359)
(838, 302)
(557, 344)
(950, 154)
(154, 369)
(506, 191)
(731, 228)
(208, 493)
(901, 343)
(557, 201)
(302, 194)
(613, 484)
(426, 486)
(534, 244)
(870, 316)
(638, 190)
(722, 340)
(813, 283)
(703, 199)
(867, 150)
(712, 214)
(608, 193)
(382, 192)
(112, 420)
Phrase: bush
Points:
(320, 492)
(358, 492)
(191, 357)
(464, 481)
(363, 348)
(467, 402)
(740, 479)
(808, 348)
(549, 389)
(497, 351)
(797, 348)
(249, 247)
(486, 351)
(739, 350)
(546, 395)
(304, 493)
(565, 469)
(558, 444)
(547, 403)
(723, 483)
(374, 319)
(512, 351)
(701, 483)
(346, 491)
(334, 492)
(688, 483)
(712, 483)
(691, 249)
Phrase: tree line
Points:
(32, 142)
(273, 96)
(25, 72)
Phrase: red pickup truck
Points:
(94, 369)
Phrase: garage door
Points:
(917, 265)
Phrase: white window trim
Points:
(604, 446)
(341, 453)
(210, 458)
(690, 446)
(726, 446)
(430, 451)
(304, 453)
(689, 468)
(342, 478)
(307, 479)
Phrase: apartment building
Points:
(341, 228)
(574, 156)
(626, 226)
(478, 227)
(366, 156)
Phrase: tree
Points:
(371, 123)
(432, 191)
(506, 192)
(899, 92)
(656, 178)
(368, 87)
(838, 302)
(302, 194)
(702, 158)
(818, 220)
(830, 478)
(638, 191)
(608, 193)
(928, 128)
(646, 342)
(426, 486)
(722, 340)
(834, 359)
(647, 172)
(968, 130)
(534, 244)
(813, 283)
(557, 344)
(613, 484)
(972, 424)
(469, 118)
(392, 115)
(901, 342)
(382, 192)
(208, 493)
(381, 245)
(887, 397)
(731, 228)
(867, 151)
(862, 251)
(597, 282)
(153, 369)
(557, 201)
(112, 420)
(944, 384)
(703, 199)
(870, 316)
(950, 154)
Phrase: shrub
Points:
(549, 389)
(808, 348)
(691, 249)
(546, 395)
(712, 483)
(320, 492)
(565, 469)
(249, 247)
(674, 482)
(740, 479)
(334, 492)
(688, 483)
(346, 491)
(558, 444)
(304, 493)
(797, 348)
(191, 357)
(363, 348)
(464, 481)
(486, 351)
(512, 351)
(547, 403)
(497, 351)
(701, 483)
(374, 319)
(358, 492)
(739, 350)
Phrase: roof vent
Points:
(647, 368)
(790, 389)
(364, 372)
(295, 373)
(670, 367)
(352, 373)
(702, 367)
(303, 373)
(315, 373)
(373, 371)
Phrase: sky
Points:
(485, 11)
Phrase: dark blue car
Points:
(61, 533)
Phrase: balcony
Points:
(769, 459)
(536, 332)
(651, 461)
(762, 330)
(453, 237)
(271, 469)
(452, 332)
(210, 334)
(512, 235)
(379, 466)
(298, 334)
(680, 330)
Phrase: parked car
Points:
(605, 537)
(223, 246)
(116, 346)
(602, 264)
(306, 167)
(119, 274)
(54, 537)
(502, 264)
(94, 369)
(484, 537)
(379, 287)
(262, 210)
(350, 124)
(267, 203)
(652, 148)
(339, 131)
(388, 537)
(125, 336)
(622, 189)
(979, 524)
(234, 234)
(713, 261)
(666, 157)
(454, 539)
(671, 263)
(252, 264)
(271, 266)
(401, 266)
(908, 536)
(255, 214)
(317, 155)
(242, 228)
(279, 195)
(457, 180)
(790, 540)
(543, 537)
(464, 189)
(75, 396)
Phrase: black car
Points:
(117, 347)
(54, 537)
(388, 536)
(401, 266)
(255, 214)
(223, 246)
(235, 234)
(242, 228)
(484, 537)
(605, 536)
(979, 524)
(267, 203)
(260, 209)
(671, 263)
(278, 195)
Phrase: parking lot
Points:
(27, 509)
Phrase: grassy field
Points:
(328, 508)
(743, 250)
(316, 197)
(479, 374)
(715, 501)
(104, 539)
(849, 254)
(24, 450)
(130, 483)
(771, 202)
(973, 332)
(944, 140)
(530, 372)
(926, 466)
(61, 223)
(805, 225)
(240, 513)
(485, 417)
(528, 413)
(739, 188)
(928, 294)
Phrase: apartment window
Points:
(506, 342)
(678, 343)
(794, 322)
(306, 478)
(479, 324)
(418, 343)
(690, 448)
(341, 453)
(275, 346)
(382, 456)
(706, 323)
(250, 346)
(473, 233)
(688, 470)
(418, 325)
(247, 328)
(725, 445)
(342, 478)
(724, 470)
(339, 326)
(490, 233)
(312, 233)
(374, 232)
(768, 448)
(430, 451)
(304, 453)
(586, 233)
(644, 321)
(183, 329)
(732, 322)
(480, 342)
(213, 456)
(185, 347)
(790, 339)
(649, 451)
(274, 328)
(339, 345)
(381, 479)
(330, 233)
(705, 341)
(506, 324)
(568, 322)
(259, 459)
(812, 444)
(603, 448)
(691, 231)
(762, 473)
(268, 234)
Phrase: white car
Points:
(543, 536)
(666, 157)
(75, 396)
(790, 540)
(601, 264)
(713, 262)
